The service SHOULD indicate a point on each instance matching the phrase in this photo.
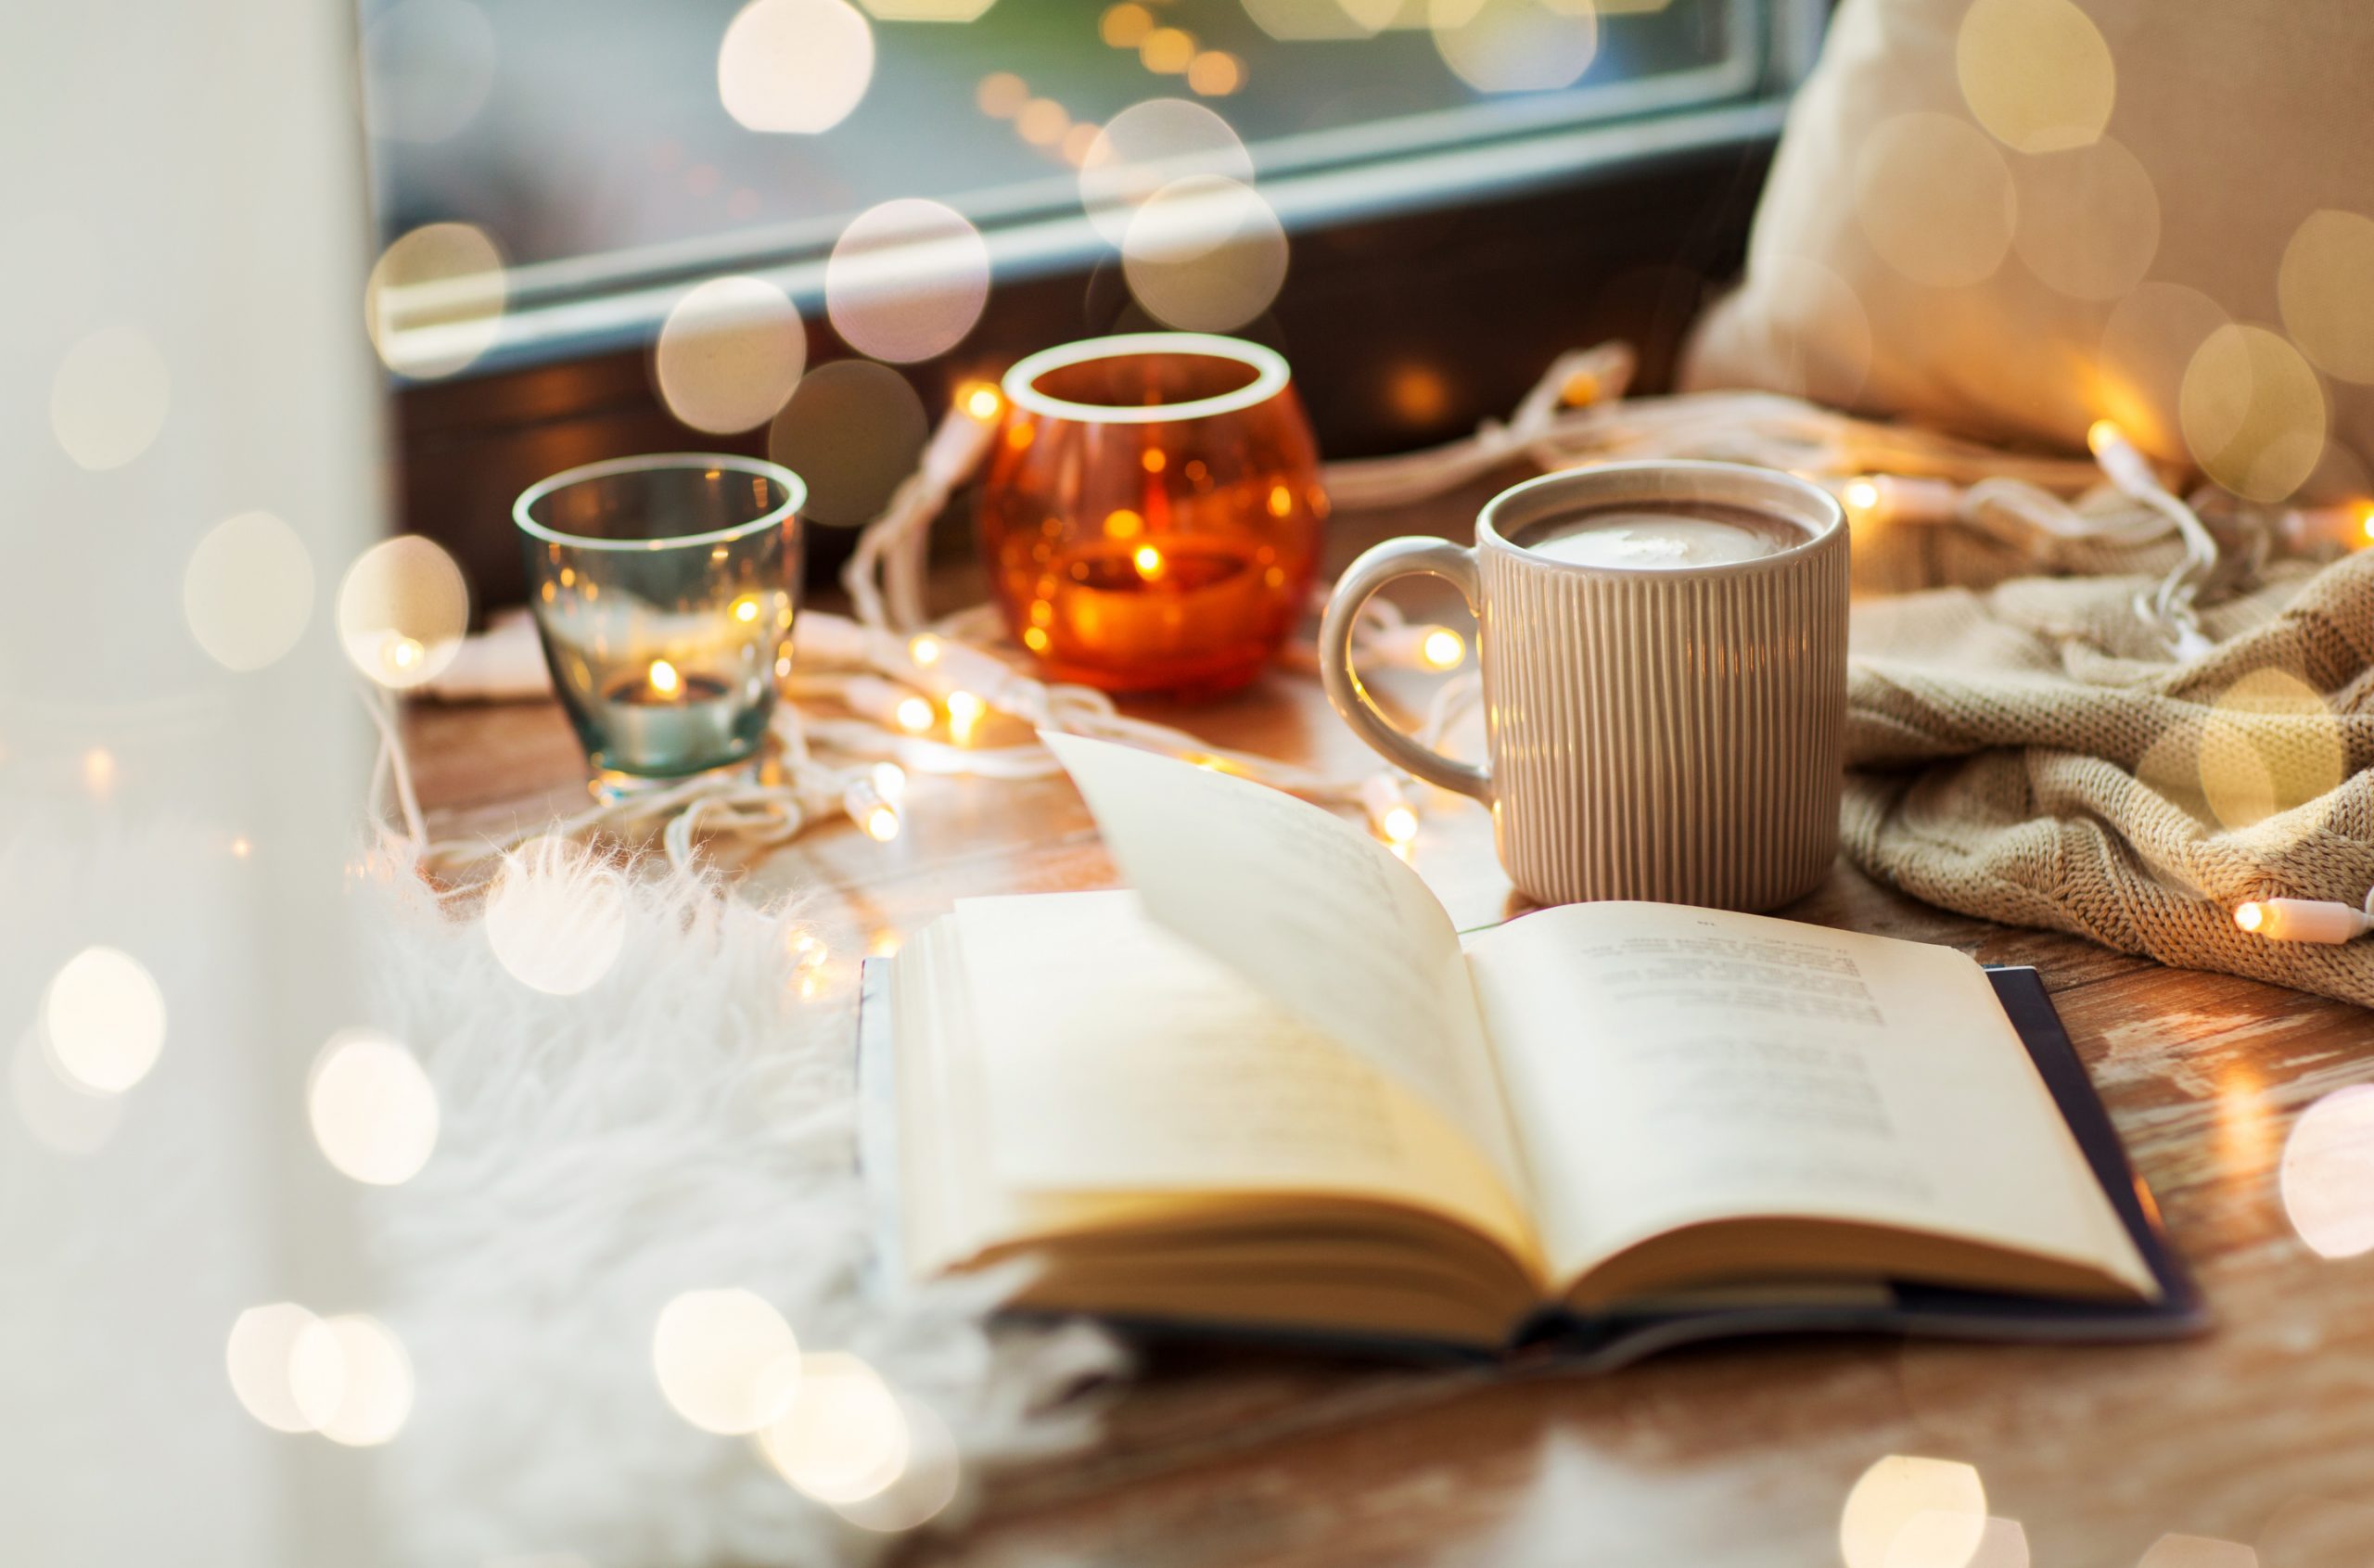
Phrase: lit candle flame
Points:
(664, 679)
(1149, 562)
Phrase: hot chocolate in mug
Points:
(1663, 652)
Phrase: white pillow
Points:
(2015, 217)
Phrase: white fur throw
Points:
(683, 1123)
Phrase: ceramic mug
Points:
(1662, 721)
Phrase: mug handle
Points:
(1379, 566)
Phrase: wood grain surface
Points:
(2260, 1433)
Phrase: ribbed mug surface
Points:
(1670, 734)
(1675, 735)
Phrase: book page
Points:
(1317, 915)
(1674, 1065)
(1116, 1058)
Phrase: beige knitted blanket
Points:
(2026, 755)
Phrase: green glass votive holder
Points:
(664, 589)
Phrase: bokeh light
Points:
(108, 399)
(726, 1360)
(427, 68)
(103, 1020)
(1204, 254)
(907, 280)
(1001, 94)
(2088, 220)
(1293, 21)
(2197, 1552)
(351, 1380)
(2037, 73)
(852, 432)
(1151, 144)
(2270, 743)
(62, 1116)
(260, 1357)
(402, 611)
(248, 590)
(1166, 51)
(1042, 122)
(2326, 286)
(797, 66)
(926, 1485)
(2252, 412)
(434, 298)
(556, 916)
(844, 1439)
(1515, 45)
(1215, 73)
(373, 1109)
(2327, 1173)
(729, 354)
(926, 10)
(1124, 26)
(1935, 198)
(1936, 1507)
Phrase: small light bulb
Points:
(981, 401)
(1391, 817)
(1149, 561)
(98, 770)
(402, 653)
(745, 609)
(1862, 495)
(2102, 434)
(2249, 917)
(964, 712)
(664, 679)
(2366, 519)
(924, 649)
(1154, 460)
(240, 848)
(890, 780)
(868, 810)
(1442, 649)
(913, 715)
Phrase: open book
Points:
(1273, 1090)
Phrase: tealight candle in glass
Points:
(664, 589)
(1152, 511)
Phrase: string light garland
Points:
(887, 691)
(2329, 922)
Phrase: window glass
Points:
(569, 130)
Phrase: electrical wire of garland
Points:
(872, 693)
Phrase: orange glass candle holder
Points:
(1152, 512)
